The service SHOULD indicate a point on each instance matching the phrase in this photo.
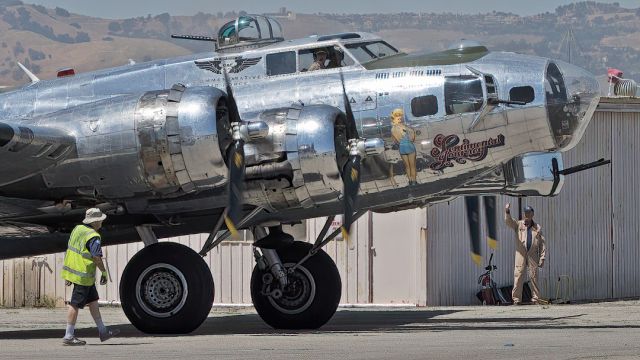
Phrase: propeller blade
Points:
(350, 172)
(492, 226)
(235, 162)
(473, 219)
(347, 104)
(232, 107)
(351, 185)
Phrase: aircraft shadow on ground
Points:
(392, 321)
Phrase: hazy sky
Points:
(129, 8)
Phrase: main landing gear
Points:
(168, 288)
(290, 294)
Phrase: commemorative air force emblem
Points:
(232, 65)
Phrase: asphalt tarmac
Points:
(590, 331)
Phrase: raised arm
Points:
(508, 219)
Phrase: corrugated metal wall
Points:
(422, 256)
(625, 173)
(451, 274)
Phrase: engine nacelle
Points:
(161, 142)
(178, 135)
(306, 147)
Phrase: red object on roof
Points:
(614, 75)
(66, 72)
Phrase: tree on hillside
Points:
(164, 18)
(82, 37)
(114, 26)
(18, 49)
(41, 9)
(62, 12)
(36, 55)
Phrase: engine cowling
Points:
(162, 142)
(298, 163)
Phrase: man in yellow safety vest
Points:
(84, 254)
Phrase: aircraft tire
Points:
(310, 299)
(153, 275)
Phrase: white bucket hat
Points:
(93, 215)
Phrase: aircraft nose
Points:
(572, 95)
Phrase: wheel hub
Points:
(161, 290)
(299, 293)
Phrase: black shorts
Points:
(83, 295)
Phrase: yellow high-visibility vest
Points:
(79, 267)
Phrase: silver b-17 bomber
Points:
(263, 132)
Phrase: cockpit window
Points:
(326, 57)
(463, 94)
(372, 50)
(248, 29)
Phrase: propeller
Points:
(492, 225)
(350, 171)
(235, 161)
(473, 219)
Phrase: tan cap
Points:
(93, 215)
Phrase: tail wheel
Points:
(166, 288)
(311, 296)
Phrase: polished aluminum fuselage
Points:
(152, 163)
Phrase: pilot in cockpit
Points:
(319, 60)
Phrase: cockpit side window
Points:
(327, 57)
(281, 63)
(463, 94)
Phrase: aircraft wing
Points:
(28, 149)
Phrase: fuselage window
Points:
(424, 106)
(328, 57)
(281, 63)
(522, 93)
(463, 94)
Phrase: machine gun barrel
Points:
(583, 167)
(194, 37)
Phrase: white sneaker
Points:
(74, 341)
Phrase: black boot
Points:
(276, 239)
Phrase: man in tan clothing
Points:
(319, 58)
(530, 252)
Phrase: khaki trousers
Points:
(518, 275)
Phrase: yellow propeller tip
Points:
(230, 226)
(345, 233)
(493, 243)
(476, 258)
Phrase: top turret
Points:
(248, 32)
